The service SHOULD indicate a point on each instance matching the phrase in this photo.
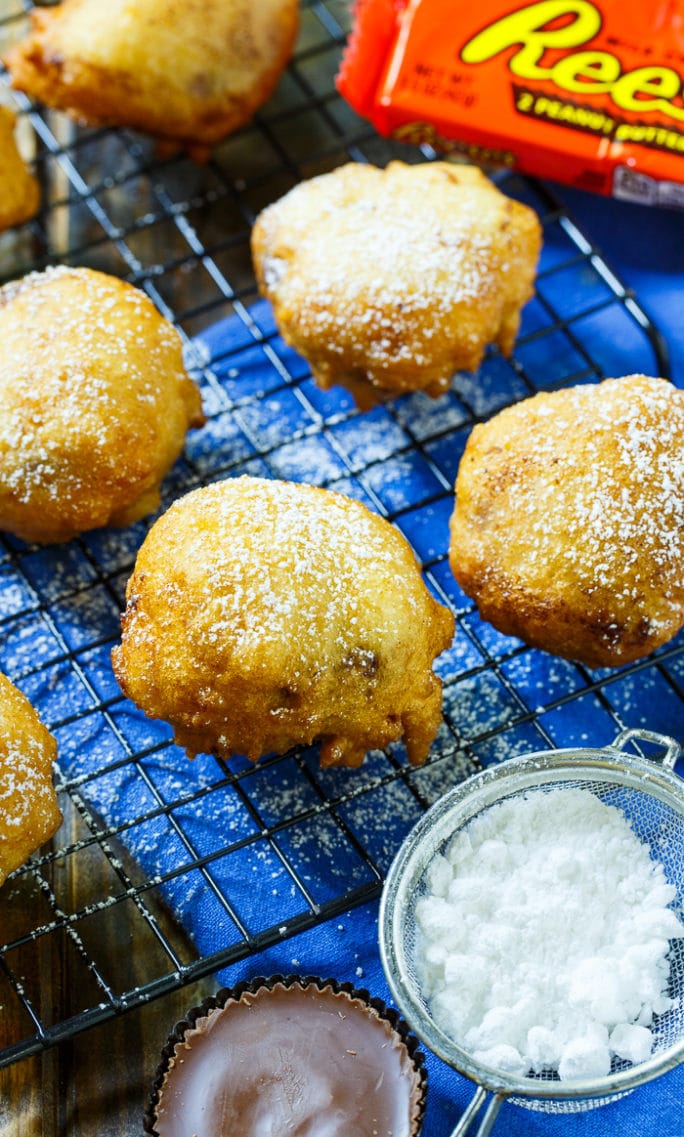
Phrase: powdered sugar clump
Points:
(545, 936)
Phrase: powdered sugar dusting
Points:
(422, 272)
(28, 805)
(396, 262)
(22, 783)
(593, 477)
(625, 489)
(84, 361)
(289, 566)
(545, 936)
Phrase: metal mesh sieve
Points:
(651, 796)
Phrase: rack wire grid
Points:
(207, 863)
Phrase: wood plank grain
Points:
(95, 1084)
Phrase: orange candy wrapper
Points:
(587, 92)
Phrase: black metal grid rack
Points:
(238, 856)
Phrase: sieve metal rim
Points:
(451, 812)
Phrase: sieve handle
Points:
(671, 746)
(477, 1102)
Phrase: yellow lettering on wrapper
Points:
(528, 28)
(660, 81)
(589, 72)
(531, 32)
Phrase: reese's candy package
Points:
(587, 92)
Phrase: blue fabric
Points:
(646, 247)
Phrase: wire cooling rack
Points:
(167, 870)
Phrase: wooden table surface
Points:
(97, 1084)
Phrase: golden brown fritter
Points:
(568, 527)
(389, 281)
(189, 72)
(29, 814)
(19, 192)
(265, 614)
(95, 403)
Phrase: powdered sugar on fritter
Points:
(612, 470)
(311, 566)
(87, 367)
(444, 269)
(396, 276)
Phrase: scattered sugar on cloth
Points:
(544, 936)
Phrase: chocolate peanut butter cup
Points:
(289, 1055)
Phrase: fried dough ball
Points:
(389, 281)
(95, 403)
(19, 192)
(29, 814)
(264, 614)
(189, 72)
(568, 528)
